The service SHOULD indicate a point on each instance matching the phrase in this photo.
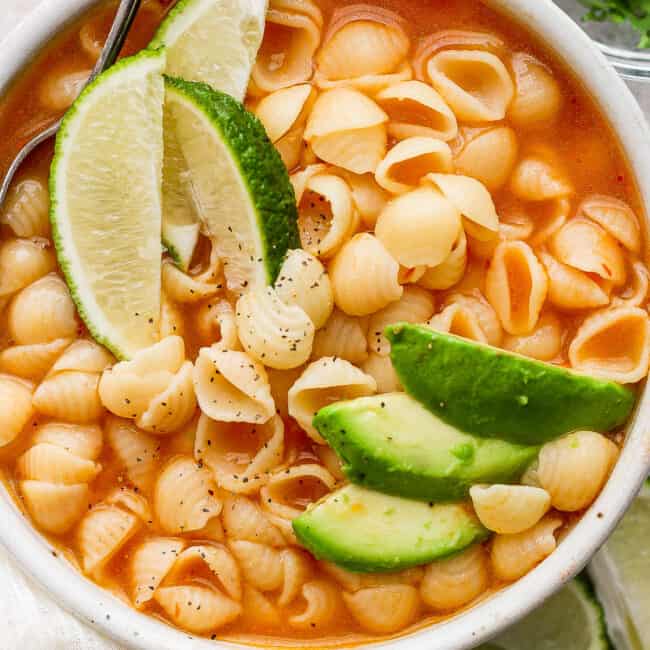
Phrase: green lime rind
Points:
(259, 168)
(493, 393)
(571, 619)
(161, 36)
(147, 324)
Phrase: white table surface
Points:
(29, 619)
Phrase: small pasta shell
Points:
(347, 129)
(615, 216)
(59, 90)
(574, 468)
(515, 555)
(215, 322)
(42, 312)
(84, 441)
(326, 215)
(261, 565)
(172, 322)
(300, 178)
(415, 306)
(280, 382)
(55, 508)
(370, 83)
(375, 273)
(83, 356)
(23, 261)
(475, 84)
(310, 481)
(240, 456)
(633, 296)
(369, 199)
(47, 462)
(136, 452)
(291, 38)
(26, 210)
(362, 40)
(70, 396)
(32, 361)
(469, 315)
(323, 382)
(92, 39)
(131, 501)
(323, 605)
(258, 611)
(385, 609)
(102, 533)
(416, 109)
(244, 520)
(232, 387)
(150, 563)
(449, 272)
(538, 98)
(516, 286)
(548, 217)
(410, 160)
(277, 334)
(303, 281)
(280, 111)
(453, 582)
(569, 288)
(297, 570)
(172, 409)
(488, 155)
(613, 344)
(343, 337)
(184, 288)
(586, 246)
(543, 343)
(183, 497)
(509, 509)
(540, 178)
(380, 368)
(197, 609)
(419, 227)
(472, 200)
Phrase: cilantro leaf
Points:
(635, 12)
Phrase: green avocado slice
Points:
(391, 443)
(492, 393)
(367, 531)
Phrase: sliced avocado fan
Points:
(366, 531)
(492, 393)
(392, 444)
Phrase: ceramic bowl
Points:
(131, 629)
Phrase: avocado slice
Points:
(393, 444)
(366, 531)
(498, 394)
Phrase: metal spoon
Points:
(119, 30)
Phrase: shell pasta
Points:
(329, 451)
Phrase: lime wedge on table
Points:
(621, 573)
(572, 619)
(240, 183)
(106, 204)
(215, 42)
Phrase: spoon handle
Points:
(122, 22)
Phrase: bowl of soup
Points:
(459, 423)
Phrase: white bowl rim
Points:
(126, 626)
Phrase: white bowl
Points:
(125, 625)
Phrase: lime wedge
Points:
(106, 202)
(572, 619)
(240, 184)
(215, 42)
(621, 573)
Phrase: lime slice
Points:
(240, 184)
(572, 619)
(621, 573)
(215, 42)
(106, 202)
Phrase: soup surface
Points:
(192, 522)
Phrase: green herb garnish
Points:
(634, 12)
